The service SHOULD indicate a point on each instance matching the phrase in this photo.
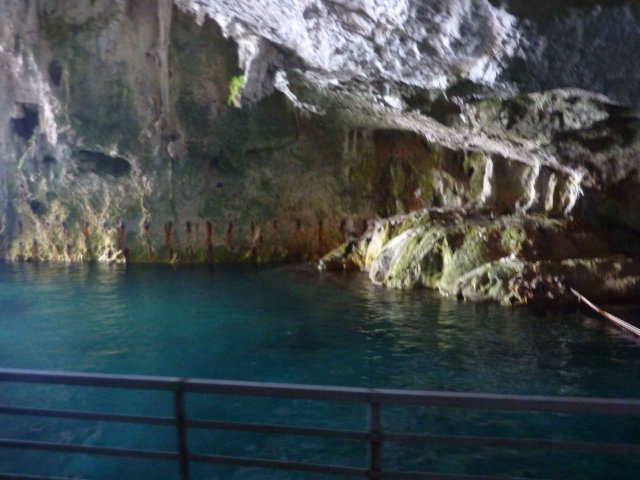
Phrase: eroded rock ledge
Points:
(506, 228)
(514, 260)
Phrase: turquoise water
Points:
(294, 325)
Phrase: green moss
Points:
(513, 238)
(235, 86)
(425, 183)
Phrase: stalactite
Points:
(486, 180)
(531, 194)
(551, 191)
(574, 186)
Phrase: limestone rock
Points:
(514, 260)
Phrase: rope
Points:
(617, 321)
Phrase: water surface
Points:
(285, 324)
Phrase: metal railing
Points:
(374, 437)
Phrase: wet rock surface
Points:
(514, 260)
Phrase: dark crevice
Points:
(544, 9)
(37, 207)
(101, 164)
(55, 73)
(26, 125)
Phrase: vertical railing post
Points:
(375, 442)
(181, 431)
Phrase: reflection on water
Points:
(295, 325)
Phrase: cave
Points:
(26, 125)
(388, 205)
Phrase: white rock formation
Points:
(423, 43)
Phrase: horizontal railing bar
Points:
(89, 379)
(15, 476)
(344, 394)
(79, 415)
(510, 402)
(89, 450)
(286, 430)
(294, 391)
(282, 464)
(445, 476)
(498, 442)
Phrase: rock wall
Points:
(120, 142)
